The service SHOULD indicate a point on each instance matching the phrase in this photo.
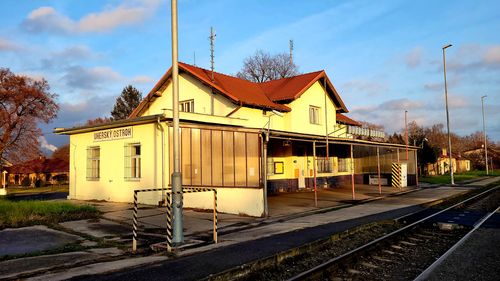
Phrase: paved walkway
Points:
(115, 227)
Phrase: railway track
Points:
(407, 252)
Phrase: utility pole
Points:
(447, 113)
(212, 67)
(177, 237)
(484, 133)
(406, 133)
(212, 48)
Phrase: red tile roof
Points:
(341, 118)
(267, 95)
(41, 165)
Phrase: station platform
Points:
(241, 239)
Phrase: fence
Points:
(169, 212)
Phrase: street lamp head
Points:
(447, 46)
(484, 96)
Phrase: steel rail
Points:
(429, 270)
(329, 263)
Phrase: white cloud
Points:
(89, 78)
(142, 79)
(414, 57)
(48, 19)
(45, 145)
(365, 87)
(6, 45)
(492, 55)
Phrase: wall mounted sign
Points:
(113, 134)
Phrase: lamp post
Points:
(447, 113)
(484, 133)
(178, 236)
(406, 133)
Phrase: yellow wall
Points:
(112, 186)
(296, 121)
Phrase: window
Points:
(133, 161)
(313, 114)
(324, 165)
(343, 167)
(279, 168)
(93, 163)
(187, 106)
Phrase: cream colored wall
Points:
(112, 186)
(191, 88)
(298, 119)
(240, 201)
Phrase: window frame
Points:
(93, 163)
(186, 104)
(132, 161)
(314, 115)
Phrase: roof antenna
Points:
(212, 41)
(291, 52)
(194, 58)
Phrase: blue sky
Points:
(384, 57)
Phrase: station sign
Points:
(113, 134)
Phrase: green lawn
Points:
(459, 177)
(18, 190)
(24, 213)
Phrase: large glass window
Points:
(133, 161)
(324, 165)
(93, 162)
(313, 114)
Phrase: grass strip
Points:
(459, 177)
(32, 212)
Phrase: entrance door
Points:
(300, 172)
(404, 174)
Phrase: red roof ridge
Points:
(264, 95)
(291, 77)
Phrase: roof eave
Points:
(110, 125)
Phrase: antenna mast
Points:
(212, 47)
(291, 51)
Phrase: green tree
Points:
(126, 103)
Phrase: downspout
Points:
(74, 168)
(162, 159)
(234, 110)
(326, 118)
(264, 171)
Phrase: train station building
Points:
(248, 140)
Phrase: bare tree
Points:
(23, 103)
(262, 67)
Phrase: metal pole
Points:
(352, 174)
(176, 175)
(134, 224)
(264, 173)
(378, 171)
(326, 119)
(484, 133)
(314, 169)
(447, 113)
(406, 133)
(416, 167)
